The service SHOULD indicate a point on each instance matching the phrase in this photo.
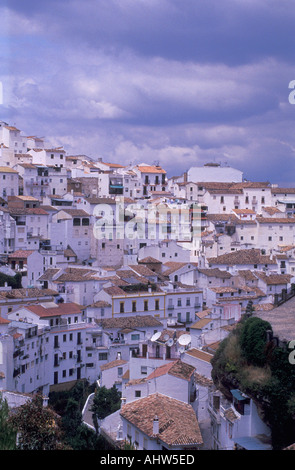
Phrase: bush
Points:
(253, 340)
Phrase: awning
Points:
(238, 395)
(252, 443)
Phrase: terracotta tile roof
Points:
(203, 313)
(172, 267)
(27, 293)
(75, 275)
(274, 279)
(240, 257)
(129, 275)
(223, 290)
(56, 150)
(7, 169)
(12, 128)
(275, 220)
(48, 274)
(272, 210)
(199, 354)
(61, 309)
(199, 325)
(252, 184)
(27, 211)
(202, 380)
(177, 369)
(224, 190)
(4, 321)
(136, 321)
(100, 200)
(69, 252)
(100, 304)
(112, 364)
(283, 190)
(230, 219)
(21, 254)
(75, 212)
(114, 290)
(247, 275)
(244, 211)
(215, 272)
(178, 425)
(113, 165)
(149, 259)
(142, 270)
(231, 415)
(150, 169)
(263, 307)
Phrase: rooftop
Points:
(178, 425)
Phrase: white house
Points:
(214, 172)
(174, 379)
(237, 425)
(158, 422)
(29, 263)
(9, 182)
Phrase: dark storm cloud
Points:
(181, 82)
(230, 31)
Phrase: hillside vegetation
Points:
(247, 360)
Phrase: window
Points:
(134, 306)
(102, 356)
(135, 337)
(122, 307)
(157, 304)
(137, 393)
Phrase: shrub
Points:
(253, 340)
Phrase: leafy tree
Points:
(38, 427)
(13, 281)
(7, 432)
(254, 340)
(105, 402)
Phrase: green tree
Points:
(105, 402)
(7, 432)
(38, 427)
(253, 340)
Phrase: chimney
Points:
(156, 425)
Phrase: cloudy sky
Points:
(180, 82)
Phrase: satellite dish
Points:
(166, 337)
(184, 340)
(156, 336)
(181, 349)
(170, 342)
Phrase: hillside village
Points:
(121, 275)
